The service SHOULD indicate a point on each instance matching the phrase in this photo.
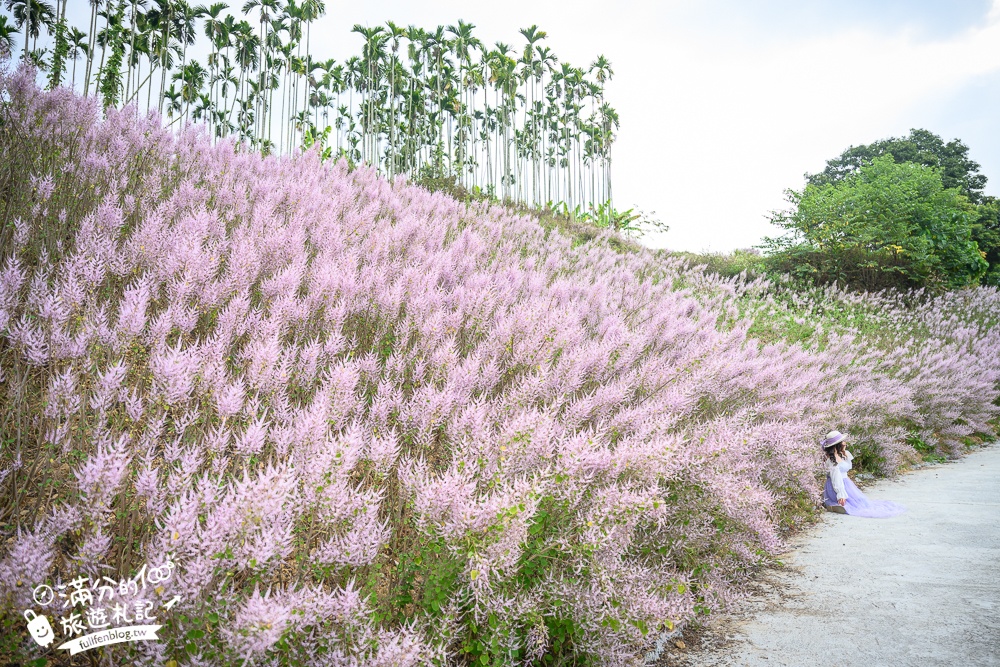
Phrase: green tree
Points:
(922, 147)
(957, 171)
(886, 224)
(31, 16)
(7, 32)
(503, 121)
(986, 234)
(77, 40)
(192, 79)
(110, 75)
(61, 48)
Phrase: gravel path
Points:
(922, 589)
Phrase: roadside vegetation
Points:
(902, 213)
(372, 424)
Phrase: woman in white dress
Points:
(841, 495)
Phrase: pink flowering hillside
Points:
(370, 425)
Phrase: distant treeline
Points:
(512, 122)
(905, 212)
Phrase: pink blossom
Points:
(296, 377)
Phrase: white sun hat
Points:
(832, 438)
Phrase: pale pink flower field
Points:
(372, 425)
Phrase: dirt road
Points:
(922, 589)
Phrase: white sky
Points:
(725, 103)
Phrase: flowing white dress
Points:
(839, 486)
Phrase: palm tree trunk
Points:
(163, 64)
(91, 40)
(308, 66)
(138, 89)
(269, 107)
(131, 50)
(187, 102)
(284, 97)
(149, 91)
(104, 47)
(392, 115)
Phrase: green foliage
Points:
(111, 76)
(888, 224)
(631, 222)
(425, 576)
(986, 234)
(451, 187)
(747, 261)
(59, 54)
(957, 171)
(927, 452)
(425, 580)
(920, 147)
(867, 456)
(321, 140)
(582, 226)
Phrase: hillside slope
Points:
(372, 425)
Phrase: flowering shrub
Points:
(372, 425)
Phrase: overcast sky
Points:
(726, 103)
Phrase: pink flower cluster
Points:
(295, 380)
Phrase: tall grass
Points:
(375, 425)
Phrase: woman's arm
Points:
(837, 480)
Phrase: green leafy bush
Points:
(728, 265)
(886, 225)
